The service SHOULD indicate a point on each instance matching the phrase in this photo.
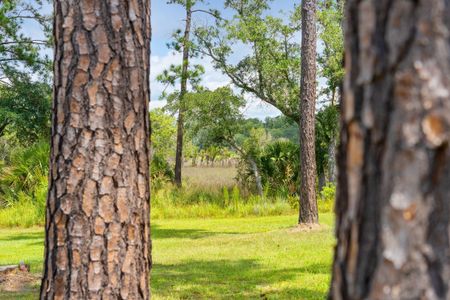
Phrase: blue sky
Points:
(166, 18)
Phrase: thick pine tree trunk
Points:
(183, 91)
(308, 202)
(97, 224)
(393, 204)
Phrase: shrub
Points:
(327, 197)
(278, 164)
(25, 175)
(161, 171)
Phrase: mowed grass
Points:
(233, 258)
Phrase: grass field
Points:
(246, 258)
(210, 177)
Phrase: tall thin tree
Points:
(308, 203)
(393, 202)
(97, 224)
(183, 90)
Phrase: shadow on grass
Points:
(224, 279)
(30, 294)
(193, 234)
(157, 233)
(22, 236)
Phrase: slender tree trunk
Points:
(257, 175)
(393, 204)
(97, 223)
(308, 201)
(332, 169)
(183, 90)
(321, 181)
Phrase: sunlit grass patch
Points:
(233, 258)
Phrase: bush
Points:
(161, 171)
(25, 176)
(23, 186)
(278, 164)
(327, 197)
(279, 167)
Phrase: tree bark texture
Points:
(308, 202)
(393, 202)
(97, 240)
(183, 90)
(332, 169)
(258, 180)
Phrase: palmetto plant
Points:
(279, 166)
(25, 174)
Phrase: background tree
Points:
(271, 70)
(282, 127)
(216, 117)
(24, 109)
(97, 224)
(184, 44)
(163, 145)
(330, 17)
(24, 89)
(393, 195)
(20, 53)
(308, 201)
(327, 130)
(330, 61)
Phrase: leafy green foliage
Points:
(20, 53)
(25, 108)
(163, 134)
(215, 116)
(280, 167)
(327, 130)
(162, 147)
(271, 71)
(326, 198)
(330, 17)
(24, 177)
(278, 164)
(172, 76)
(282, 127)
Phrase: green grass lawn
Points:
(251, 258)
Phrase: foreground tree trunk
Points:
(97, 224)
(393, 203)
(308, 202)
(183, 90)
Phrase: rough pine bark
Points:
(393, 202)
(308, 202)
(332, 168)
(97, 240)
(183, 90)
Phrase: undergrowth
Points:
(23, 188)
